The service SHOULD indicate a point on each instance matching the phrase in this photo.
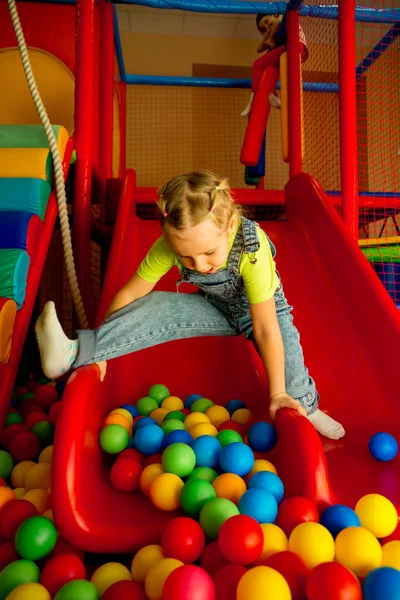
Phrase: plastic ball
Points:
(165, 491)
(269, 482)
(313, 543)
(217, 415)
(177, 436)
(179, 459)
(139, 422)
(158, 415)
(144, 560)
(13, 514)
(20, 471)
(10, 431)
(214, 514)
(6, 464)
(275, 541)
(263, 582)
(33, 591)
(205, 473)
(13, 418)
(46, 455)
(84, 590)
(233, 426)
(17, 573)
(226, 580)
(183, 539)
(237, 458)
(63, 547)
(116, 419)
(212, 558)
(60, 570)
(124, 590)
(383, 446)
(149, 439)
(203, 429)
(38, 477)
(262, 437)
(202, 405)
(243, 416)
(157, 576)
(296, 510)
(233, 405)
(188, 582)
(24, 446)
(108, 574)
(332, 581)
(377, 514)
(131, 409)
(34, 418)
(172, 403)
(39, 498)
(293, 569)
(190, 399)
(172, 425)
(390, 555)
(6, 495)
(195, 419)
(358, 550)
(114, 439)
(229, 486)
(241, 540)
(228, 436)
(125, 413)
(148, 475)
(207, 450)
(54, 412)
(8, 554)
(125, 474)
(338, 517)
(383, 583)
(35, 538)
(146, 405)
(133, 454)
(159, 392)
(260, 464)
(153, 459)
(258, 504)
(19, 493)
(195, 494)
(44, 431)
(175, 414)
(46, 395)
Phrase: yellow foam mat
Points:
(7, 318)
(26, 162)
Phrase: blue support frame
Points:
(118, 46)
(378, 49)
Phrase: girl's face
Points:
(202, 248)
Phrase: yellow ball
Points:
(6, 494)
(172, 403)
(165, 491)
(203, 429)
(40, 499)
(108, 574)
(49, 514)
(20, 471)
(358, 550)
(275, 540)
(242, 416)
(148, 475)
(229, 486)
(157, 575)
(217, 415)
(377, 514)
(125, 413)
(46, 455)
(145, 560)
(391, 555)
(19, 493)
(29, 591)
(260, 464)
(158, 414)
(263, 582)
(194, 419)
(313, 543)
(39, 477)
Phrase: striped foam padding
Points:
(27, 194)
(31, 136)
(21, 230)
(14, 265)
(26, 162)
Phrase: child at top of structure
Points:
(231, 260)
(273, 43)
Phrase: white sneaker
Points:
(274, 100)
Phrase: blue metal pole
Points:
(378, 49)
(118, 46)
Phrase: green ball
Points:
(114, 439)
(12, 418)
(175, 414)
(179, 458)
(171, 425)
(159, 392)
(146, 405)
(17, 573)
(44, 431)
(201, 405)
(6, 464)
(204, 473)
(80, 589)
(194, 495)
(214, 514)
(43, 380)
(27, 395)
(35, 538)
(228, 436)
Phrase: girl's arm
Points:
(133, 290)
(268, 336)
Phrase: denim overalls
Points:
(219, 308)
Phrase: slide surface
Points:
(351, 335)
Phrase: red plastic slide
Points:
(351, 334)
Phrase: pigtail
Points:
(161, 203)
(216, 194)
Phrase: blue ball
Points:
(132, 409)
(143, 422)
(382, 584)
(269, 482)
(207, 450)
(131, 443)
(338, 517)
(190, 399)
(60, 387)
(149, 439)
(233, 405)
(236, 458)
(383, 446)
(259, 505)
(262, 437)
(177, 436)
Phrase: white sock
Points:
(248, 108)
(57, 352)
(325, 425)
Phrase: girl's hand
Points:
(283, 400)
(102, 368)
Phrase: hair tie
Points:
(165, 215)
(217, 187)
(211, 209)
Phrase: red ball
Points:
(241, 539)
(124, 590)
(234, 426)
(226, 581)
(125, 474)
(13, 514)
(29, 405)
(296, 510)
(63, 547)
(293, 570)
(35, 417)
(60, 570)
(46, 395)
(212, 558)
(24, 446)
(188, 583)
(151, 460)
(8, 554)
(332, 581)
(54, 412)
(183, 539)
(131, 453)
(3, 482)
(10, 431)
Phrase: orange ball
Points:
(6, 494)
(229, 486)
(117, 419)
(39, 498)
(148, 475)
(39, 477)
(20, 471)
(125, 413)
(243, 416)
(165, 491)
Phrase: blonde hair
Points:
(191, 198)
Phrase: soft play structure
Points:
(349, 324)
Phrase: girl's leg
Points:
(154, 319)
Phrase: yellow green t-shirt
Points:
(260, 278)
